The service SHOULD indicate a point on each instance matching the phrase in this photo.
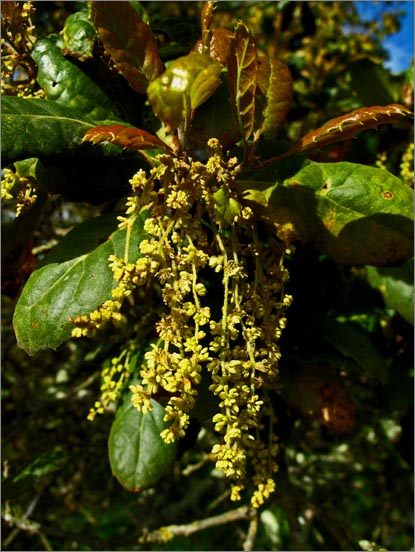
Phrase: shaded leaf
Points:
(275, 83)
(66, 84)
(354, 344)
(242, 78)
(59, 291)
(138, 455)
(353, 213)
(373, 83)
(214, 118)
(316, 393)
(79, 36)
(187, 83)
(129, 41)
(396, 286)
(346, 126)
(39, 128)
(127, 137)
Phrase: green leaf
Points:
(137, 454)
(187, 83)
(275, 83)
(226, 207)
(79, 36)
(129, 41)
(39, 128)
(83, 239)
(214, 119)
(373, 84)
(46, 463)
(66, 84)
(354, 344)
(396, 286)
(353, 213)
(242, 78)
(59, 291)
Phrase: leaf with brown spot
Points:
(242, 78)
(129, 41)
(127, 137)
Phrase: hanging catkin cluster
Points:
(222, 286)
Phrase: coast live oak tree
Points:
(207, 253)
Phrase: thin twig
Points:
(164, 534)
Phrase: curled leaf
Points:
(129, 41)
(219, 45)
(275, 84)
(242, 78)
(346, 126)
(127, 137)
(187, 83)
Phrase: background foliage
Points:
(335, 490)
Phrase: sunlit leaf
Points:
(396, 284)
(242, 78)
(219, 46)
(275, 83)
(137, 454)
(59, 291)
(346, 126)
(129, 41)
(187, 83)
(79, 36)
(353, 213)
(127, 137)
(39, 128)
(65, 83)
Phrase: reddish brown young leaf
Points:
(206, 18)
(127, 137)
(129, 41)
(242, 78)
(275, 84)
(346, 126)
(219, 46)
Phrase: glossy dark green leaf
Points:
(62, 290)
(354, 344)
(66, 84)
(353, 213)
(396, 286)
(79, 36)
(39, 128)
(187, 83)
(275, 83)
(137, 454)
(242, 78)
(129, 41)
